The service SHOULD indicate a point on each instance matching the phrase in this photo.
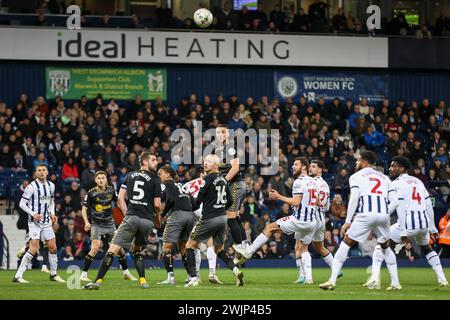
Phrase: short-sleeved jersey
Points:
(411, 195)
(307, 187)
(40, 199)
(372, 188)
(142, 188)
(226, 153)
(324, 197)
(176, 198)
(215, 196)
(99, 205)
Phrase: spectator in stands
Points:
(6, 159)
(399, 25)
(350, 23)
(39, 160)
(408, 252)
(317, 16)
(300, 22)
(341, 184)
(442, 25)
(41, 20)
(423, 33)
(79, 246)
(339, 21)
(444, 235)
(88, 175)
(67, 254)
(273, 251)
(164, 15)
(338, 209)
(105, 22)
(225, 15)
(69, 232)
(374, 140)
(151, 251)
(244, 18)
(251, 210)
(278, 17)
(136, 23)
(328, 241)
(70, 171)
(250, 234)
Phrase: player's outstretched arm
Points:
(87, 225)
(294, 201)
(121, 203)
(158, 206)
(234, 169)
(352, 204)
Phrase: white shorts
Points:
(303, 230)
(319, 232)
(420, 236)
(364, 223)
(43, 233)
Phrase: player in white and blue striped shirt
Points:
(38, 200)
(409, 197)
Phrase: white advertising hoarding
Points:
(116, 45)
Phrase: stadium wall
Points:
(17, 77)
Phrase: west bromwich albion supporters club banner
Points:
(117, 83)
(327, 85)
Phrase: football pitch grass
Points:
(260, 284)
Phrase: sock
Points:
(198, 260)
(338, 261)
(225, 258)
(212, 259)
(87, 262)
(435, 263)
(139, 264)
(190, 258)
(307, 265)
(168, 261)
(241, 227)
(299, 263)
(377, 259)
(183, 258)
(26, 259)
(328, 259)
(259, 241)
(45, 257)
(123, 262)
(53, 261)
(235, 229)
(391, 264)
(104, 267)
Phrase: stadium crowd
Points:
(77, 138)
(317, 18)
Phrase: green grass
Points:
(271, 284)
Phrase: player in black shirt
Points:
(216, 198)
(179, 216)
(97, 208)
(229, 168)
(142, 189)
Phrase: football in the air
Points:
(203, 18)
